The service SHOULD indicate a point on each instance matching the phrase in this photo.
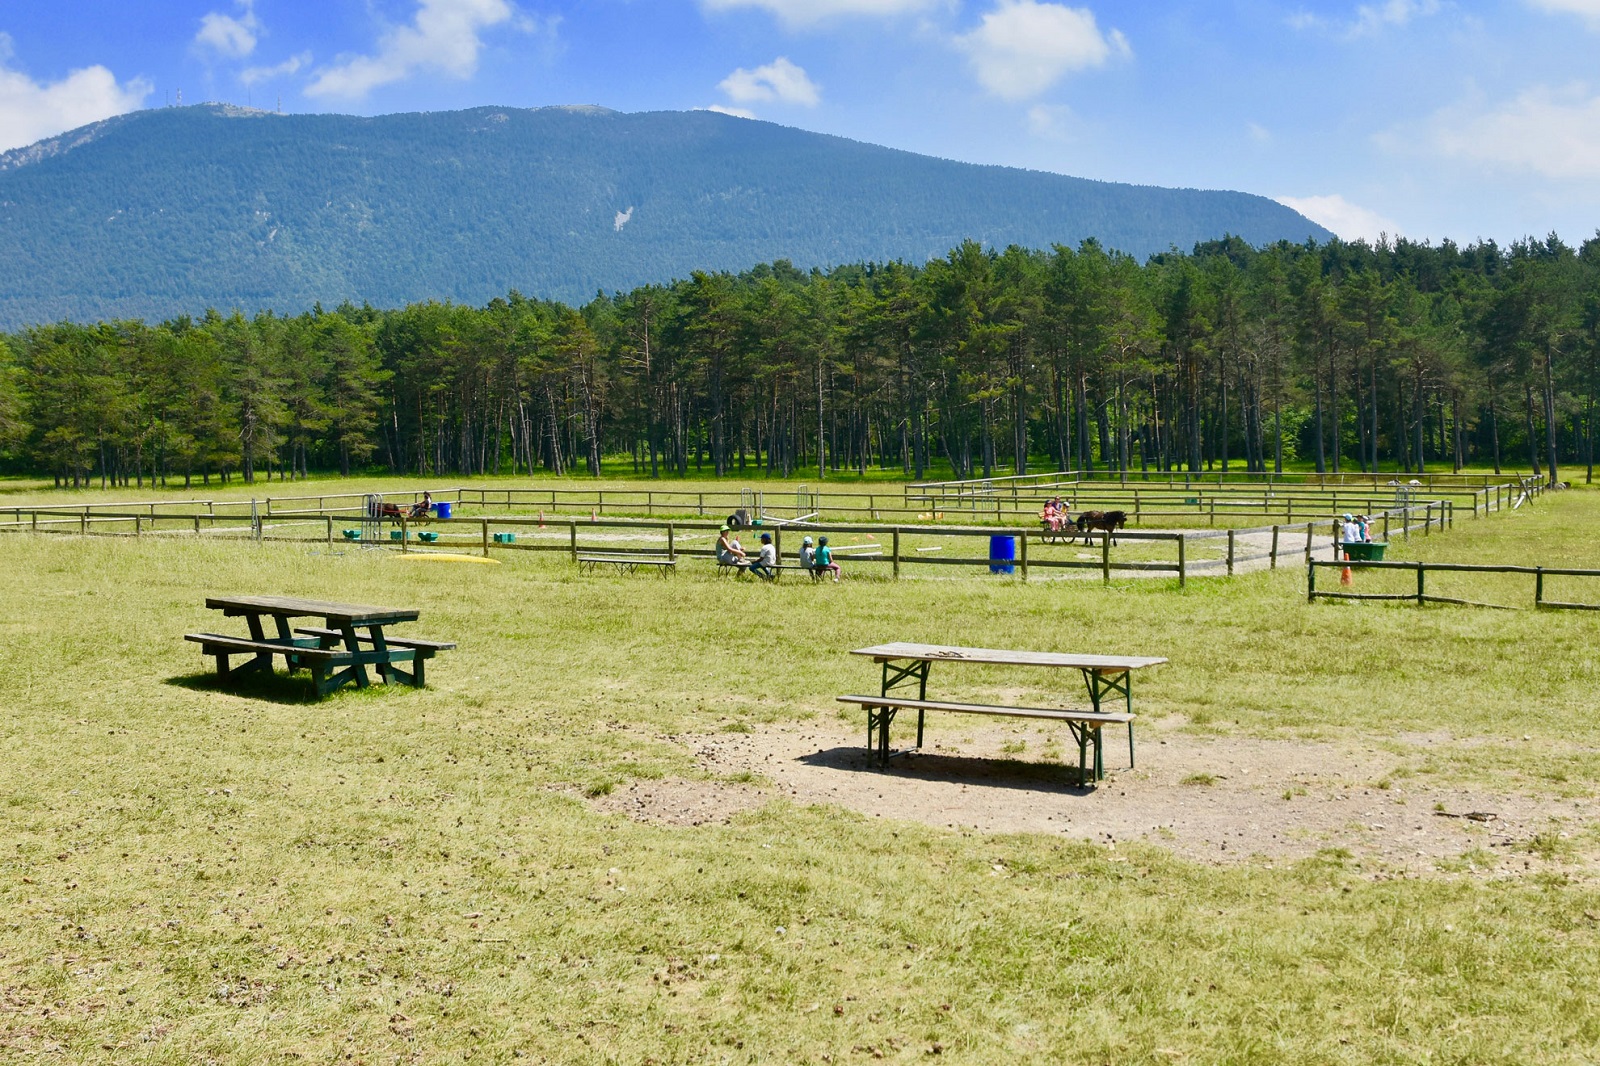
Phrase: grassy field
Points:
(189, 874)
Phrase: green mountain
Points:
(173, 210)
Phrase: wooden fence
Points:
(1422, 569)
(1035, 548)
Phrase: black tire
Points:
(734, 522)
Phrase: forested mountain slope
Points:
(170, 211)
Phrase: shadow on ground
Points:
(1057, 778)
(273, 688)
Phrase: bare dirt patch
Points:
(1218, 800)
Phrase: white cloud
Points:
(1350, 221)
(1258, 133)
(31, 110)
(1023, 47)
(780, 81)
(230, 36)
(1371, 18)
(622, 219)
(1055, 122)
(1551, 132)
(736, 112)
(443, 37)
(1589, 9)
(810, 12)
(292, 65)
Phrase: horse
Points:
(1108, 521)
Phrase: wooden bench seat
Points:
(1085, 725)
(778, 568)
(209, 641)
(628, 563)
(414, 649)
(429, 646)
(299, 655)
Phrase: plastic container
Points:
(505, 538)
(1364, 551)
(395, 534)
(427, 537)
(442, 510)
(1002, 553)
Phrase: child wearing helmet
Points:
(825, 559)
(766, 564)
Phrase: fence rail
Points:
(1036, 548)
(1422, 569)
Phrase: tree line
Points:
(1341, 356)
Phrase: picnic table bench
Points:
(662, 564)
(905, 663)
(351, 639)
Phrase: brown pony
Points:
(1109, 521)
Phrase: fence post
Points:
(572, 537)
(1230, 553)
(1427, 518)
(329, 519)
(1538, 587)
(1421, 570)
(1024, 558)
(1182, 541)
(1274, 563)
(1310, 526)
(672, 545)
(702, 506)
(405, 537)
(1385, 523)
(1105, 557)
(897, 553)
(1311, 581)
(137, 523)
(485, 523)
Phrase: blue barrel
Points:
(1002, 552)
(442, 509)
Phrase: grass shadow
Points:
(273, 687)
(1057, 778)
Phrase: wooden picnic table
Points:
(338, 653)
(1105, 677)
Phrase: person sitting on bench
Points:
(808, 555)
(728, 552)
(825, 559)
(766, 564)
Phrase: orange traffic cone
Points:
(1344, 576)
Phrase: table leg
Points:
(1113, 682)
(380, 646)
(895, 674)
(358, 669)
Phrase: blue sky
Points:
(1427, 118)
